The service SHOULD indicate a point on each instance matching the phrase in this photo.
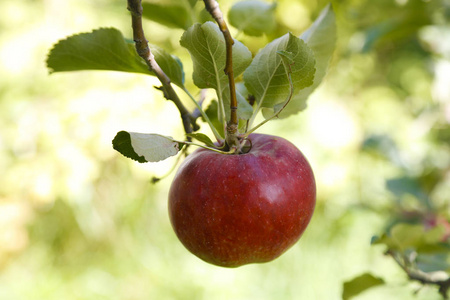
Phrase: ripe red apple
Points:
(231, 210)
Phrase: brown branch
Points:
(213, 8)
(422, 277)
(142, 48)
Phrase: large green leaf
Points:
(321, 38)
(206, 46)
(171, 13)
(106, 49)
(253, 17)
(266, 77)
(144, 147)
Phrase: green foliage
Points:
(171, 13)
(320, 38)
(388, 77)
(253, 17)
(101, 49)
(206, 45)
(406, 237)
(202, 138)
(106, 49)
(212, 111)
(266, 77)
(359, 284)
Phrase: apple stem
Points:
(232, 150)
(142, 48)
(231, 132)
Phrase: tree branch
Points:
(213, 8)
(422, 277)
(142, 48)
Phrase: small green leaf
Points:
(407, 236)
(245, 110)
(144, 147)
(212, 113)
(170, 64)
(405, 185)
(253, 17)
(202, 138)
(360, 284)
(171, 13)
(434, 262)
(404, 236)
(192, 3)
(321, 38)
(106, 49)
(206, 46)
(266, 78)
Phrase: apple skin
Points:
(232, 210)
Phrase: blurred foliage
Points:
(79, 221)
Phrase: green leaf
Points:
(106, 49)
(192, 3)
(245, 110)
(321, 38)
(434, 262)
(212, 111)
(170, 64)
(171, 13)
(404, 236)
(206, 46)
(266, 78)
(288, 61)
(202, 138)
(407, 185)
(407, 236)
(253, 17)
(360, 284)
(101, 49)
(144, 147)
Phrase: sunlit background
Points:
(80, 221)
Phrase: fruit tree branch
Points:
(422, 277)
(213, 8)
(142, 48)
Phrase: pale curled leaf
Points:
(266, 78)
(253, 17)
(321, 38)
(206, 45)
(106, 49)
(145, 147)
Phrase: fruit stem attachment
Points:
(231, 132)
(142, 48)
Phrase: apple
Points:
(232, 210)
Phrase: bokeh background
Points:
(79, 221)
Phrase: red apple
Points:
(231, 210)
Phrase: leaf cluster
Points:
(276, 88)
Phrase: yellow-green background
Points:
(80, 221)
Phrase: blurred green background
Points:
(79, 221)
